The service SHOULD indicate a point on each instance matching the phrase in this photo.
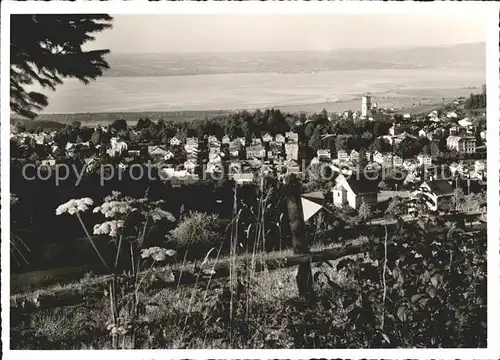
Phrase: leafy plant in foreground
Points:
(420, 287)
(127, 223)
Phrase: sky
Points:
(239, 33)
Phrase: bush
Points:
(196, 232)
(383, 186)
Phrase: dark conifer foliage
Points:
(45, 49)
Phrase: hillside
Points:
(172, 64)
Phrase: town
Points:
(405, 150)
(252, 183)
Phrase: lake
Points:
(262, 90)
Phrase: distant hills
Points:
(172, 64)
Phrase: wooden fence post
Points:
(299, 240)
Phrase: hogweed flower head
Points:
(74, 206)
(157, 253)
(158, 214)
(108, 227)
(111, 209)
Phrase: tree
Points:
(342, 142)
(396, 207)
(434, 149)
(365, 212)
(315, 140)
(119, 125)
(309, 129)
(45, 49)
(408, 148)
(362, 161)
(383, 185)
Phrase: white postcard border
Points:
(491, 11)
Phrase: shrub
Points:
(365, 213)
(197, 231)
(383, 186)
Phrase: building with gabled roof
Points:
(354, 190)
(439, 194)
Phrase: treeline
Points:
(475, 101)
(317, 131)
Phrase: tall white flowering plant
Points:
(126, 223)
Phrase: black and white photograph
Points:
(262, 180)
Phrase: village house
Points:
(433, 116)
(212, 139)
(240, 142)
(479, 170)
(118, 145)
(258, 152)
(50, 161)
(378, 157)
(422, 133)
(324, 155)
(267, 137)
(191, 145)
(468, 125)
(256, 142)
(410, 164)
(193, 157)
(243, 178)
(438, 133)
(424, 160)
(458, 168)
(439, 194)
(342, 155)
(157, 151)
(292, 151)
(234, 152)
(454, 130)
(387, 160)
(401, 137)
(368, 155)
(214, 157)
(276, 149)
(175, 141)
(292, 166)
(169, 155)
(280, 138)
(214, 148)
(354, 190)
(192, 141)
(190, 166)
(135, 153)
(461, 144)
(235, 167)
(397, 161)
(90, 164)
(397, 129)
(213, 167)
(354, 156)
(479, 166)
(482, 134)
(191, 150)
